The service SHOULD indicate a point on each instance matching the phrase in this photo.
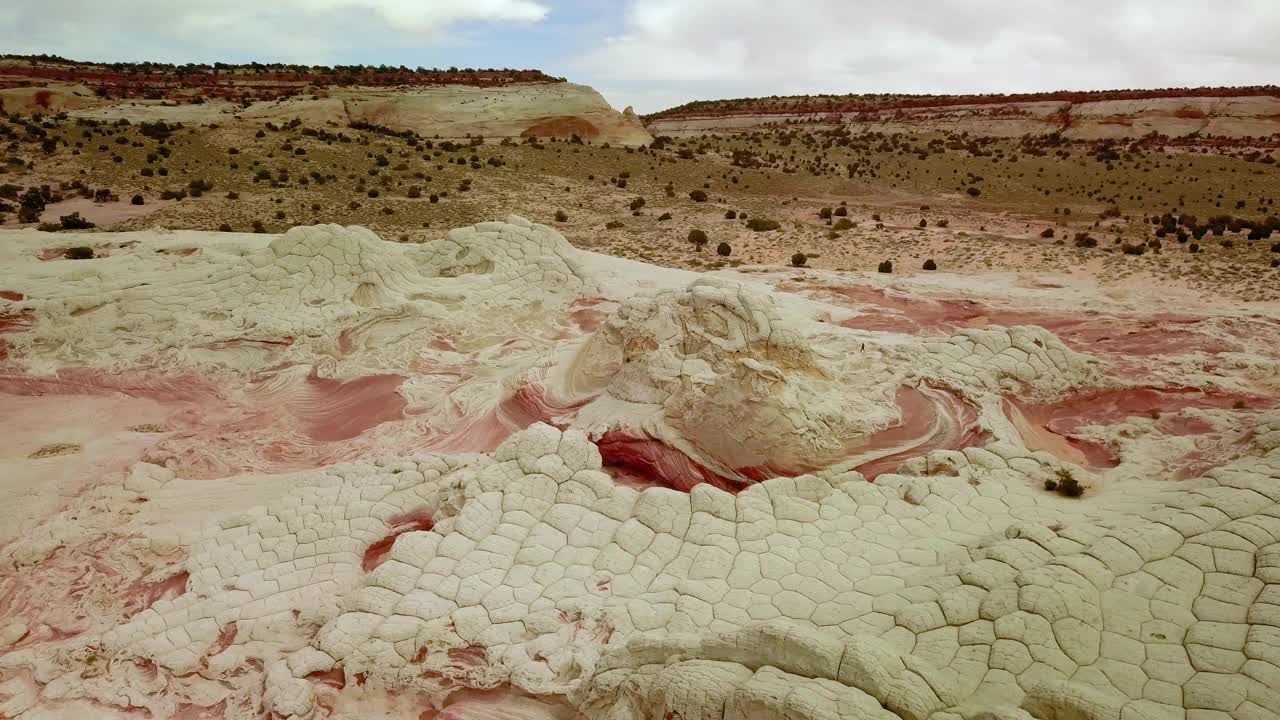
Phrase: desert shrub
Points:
(81, 252)
(842, 211)
(1084, 240)
(824, 213)
(974, 192)
(173, 194)
(637, 204)
(225, 227)
(799, 259)
(664, 216)
(843, 223)
(875, 217)
(137, 200)
(434, 198)
(562, 216)
(885, 267)
(75, 222)
(924, 223)
(147, 172)
(1065, 484)
(763, 224)
(1046, 233)
(258, 227)
(930, 264)
(697, 195)
(30, 206)
(373, 193)
(613, 225)
(233, 195)
(698, 237)
(723, 249)
(1193, 248)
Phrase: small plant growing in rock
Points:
(1064, 483)
(81, 252)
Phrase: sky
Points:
(654, 54)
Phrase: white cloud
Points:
(681, 50)
(307, 31)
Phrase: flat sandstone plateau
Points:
(491, 476)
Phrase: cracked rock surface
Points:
(318, 475)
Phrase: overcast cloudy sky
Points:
(656, 53)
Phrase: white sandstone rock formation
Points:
(576, 498)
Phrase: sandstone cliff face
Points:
(542, 109)
(1231, 117)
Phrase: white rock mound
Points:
(718, 372)
(297, 293)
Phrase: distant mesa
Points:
(1227, 112)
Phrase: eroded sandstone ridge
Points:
(323, 475)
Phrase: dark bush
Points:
(842, 224)
(730, 215)
(698, 237)
(225, 227)
(562, 216)
(763, 225)
(973, 192)
(842, 211)
(664, 216)
(78, 253)
(137, 200)
(613, 225)
(1046, 233)
(885, 267)
(698, 195)
(637, 204)
(799, 259)
(415, 192)
(723, 249)
(75, 222)
(824, 213)
(930, 264)
(258, 227)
